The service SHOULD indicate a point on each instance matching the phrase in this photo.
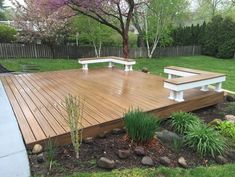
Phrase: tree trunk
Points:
(125, 45)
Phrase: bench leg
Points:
(126, 68)
(130, 68)
(85, 66)
(172, 95)
(218, 87)
(204, 88)
(169, 76)
(179, 96)
(110, 65)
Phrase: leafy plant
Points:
(140, 126)
(74, 108)
(50, 153)
(230, 109)
(181, 121)
(227, 129)
(177, 145)
(205, 140)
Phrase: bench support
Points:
(205, 88)
(110, 65)
(85, 66)
(218, 87)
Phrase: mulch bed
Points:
(66, 163)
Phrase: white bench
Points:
(127, 62)
(181, 79)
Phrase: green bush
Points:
(140, 126)
(230, 109)
(181, 121)
(205, 140)
(7, 34)
(227, 129)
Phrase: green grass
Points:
(212, 171)
(155, 66)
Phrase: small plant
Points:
(227, 129)
(74, 108)
(50, 153)
(230, 109)
(181, 121)
(205, 140)
(140, 126)
(177, 144)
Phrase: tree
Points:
(2, 8)
(39, 21)
(116, 14)
(7, 34)
(93, 32)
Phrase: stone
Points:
(106, 163)
(124, 154)
(37, 148)
(221, 160)
(147, 161)
(230, 154)
(88, 140)
(103, 134)
(168, 137)
(140, 151)
(182, 162)
(230, 118)
(230, 98)
(145, 70)
(165, 161)
(117, 131)
(40, 158)
(215, 122)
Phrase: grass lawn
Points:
(213, 171)
(155, 66)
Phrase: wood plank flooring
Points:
(36, 100)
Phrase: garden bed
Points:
(65, 163)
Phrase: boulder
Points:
(215, 122)
(182, 162)
(105, 163)
(40, 158)
(168, 137)
(165, 161)
(37, 148)
(230, 118)
(117, 131)
(124, 154)
(88, 140)
(139, 150)
(147, 161)
(230, 154)
(103, 134)
(145, 70)
(221, 160)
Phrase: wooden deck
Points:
(109, 93)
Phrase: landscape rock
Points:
(37, 148)
(165, 161)
(139, 150)
(124, 154)
(106, 163)
(88, 140)
(182, 162)
(221, 160)
(230, 154)
(117, 131)
(230, 98)
(168, 137)
(145, 70)
(40, 158)
(147, 161)
(230, 118)
(103, 134)
(215, 122)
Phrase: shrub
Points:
(140, 126)
(205, 140)
(230, 109)
(181, 121)
(7, 34)
(227, 129)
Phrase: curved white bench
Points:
(127, 62)
(181, 79)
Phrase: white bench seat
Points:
(181, 79)
(127, 62)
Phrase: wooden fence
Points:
(72, 52)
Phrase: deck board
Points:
(36, 100)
